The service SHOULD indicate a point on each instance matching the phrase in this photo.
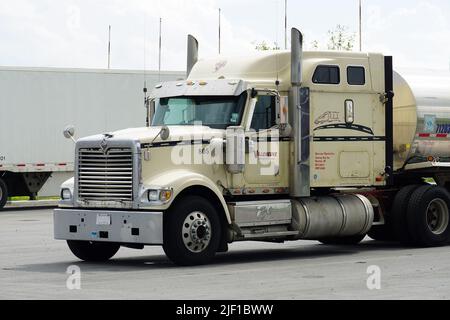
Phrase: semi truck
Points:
(37, 103)
(278, 146)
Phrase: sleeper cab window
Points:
(327, 75)
(356, 76)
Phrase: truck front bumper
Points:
(128, 227)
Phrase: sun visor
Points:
(188, 88)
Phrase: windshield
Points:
(214, 112)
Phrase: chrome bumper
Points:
(122, 227)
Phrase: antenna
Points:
(360, 25)
(109, 48)
(285, 24)
(160, 45)
(220, 22)
(146, 99)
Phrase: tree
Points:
(341, 39)
(263, 46)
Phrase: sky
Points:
(74, 33)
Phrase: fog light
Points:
(66, 194)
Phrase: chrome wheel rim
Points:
(437, 216)
(196, 232)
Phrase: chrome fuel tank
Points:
(421, 115)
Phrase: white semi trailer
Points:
(37, 103)
(327, 146)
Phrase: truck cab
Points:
(274, 147)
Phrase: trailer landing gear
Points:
(3, 193)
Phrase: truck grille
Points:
(105, 176)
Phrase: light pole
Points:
(360, 25)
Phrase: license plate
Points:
(103, 219)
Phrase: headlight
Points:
(162, 195)
(153, 195)
(66, 194)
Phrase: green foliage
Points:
(341, 39)
(263, 46)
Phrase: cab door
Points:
(266, 161)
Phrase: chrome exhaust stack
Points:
(299, 120)
(192, 54)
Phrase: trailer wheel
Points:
(399, 214)
(93, 251)
(3, 193)
(344, 241)
(191, 232)
(429, 216)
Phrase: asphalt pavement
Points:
(34, 266)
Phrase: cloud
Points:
(74, 33)
(417, 36)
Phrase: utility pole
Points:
(160, 48)
(285, 25)
(220, 13)
(109, 48)
(360, 25)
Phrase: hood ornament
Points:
(104, 143)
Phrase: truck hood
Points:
(177, 133)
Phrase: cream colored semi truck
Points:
(279, 146)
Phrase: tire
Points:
(429, 216)
(382, 233)
(3, 193)
(93, 251)
(345, 241)
(399, 214)
(192, 232)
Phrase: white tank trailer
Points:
(421, 116)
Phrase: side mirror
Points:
(150, 105)
(152, 110)
(69, 132)
(235, 150)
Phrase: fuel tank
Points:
(421, 116)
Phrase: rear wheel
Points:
(3, 193)
(192, 232)
(400, 212)
(93, 251)
(429, 217)
(344, 241)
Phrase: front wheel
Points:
(192, 232)
(93, 251)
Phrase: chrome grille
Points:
(105, 176)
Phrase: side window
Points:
(327, 75)
(264, 116)
(356, 76)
